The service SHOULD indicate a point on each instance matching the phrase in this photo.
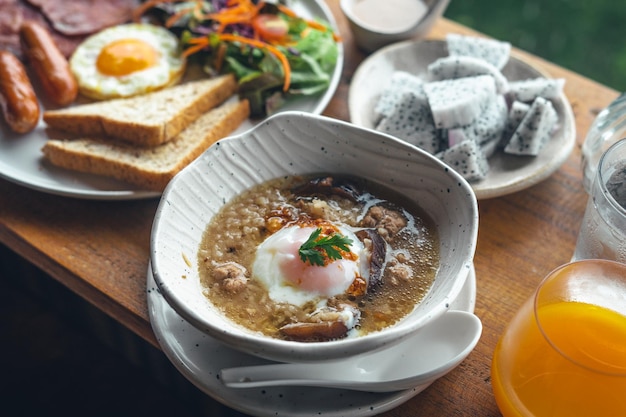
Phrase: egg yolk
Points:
(125, 56)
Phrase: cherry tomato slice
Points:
(270, 27)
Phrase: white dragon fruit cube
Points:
(453, 67)
(399, 82)
(457, 103)
(467, 159)
(493, 51)
(534, 130)
(528, 90)
(411, 120)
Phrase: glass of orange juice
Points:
(564, 351)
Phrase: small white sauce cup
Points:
(377, 23)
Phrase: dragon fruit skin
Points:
(412, 121)
(399, 82)
(528, 90)
(534, 130)
(453, 67)
(495, 52)
(467, 159)
(457, 103)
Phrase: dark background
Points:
(584, 36)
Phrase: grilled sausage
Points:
(17, 98)
(48, 63)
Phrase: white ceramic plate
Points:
(508, 173)
(21, 160)
(199, 358)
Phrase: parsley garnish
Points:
(315, 248)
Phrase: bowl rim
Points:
(295, 351)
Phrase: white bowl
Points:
(397, 20)
(293, 143)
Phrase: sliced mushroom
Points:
(315, 332)
(327, 323)
(377, 248)
(328, 186)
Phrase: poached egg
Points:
(289, 279)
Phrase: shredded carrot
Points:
(286, 10)
(242, 11)
(318, 26)
(220, 57)
(197, 47)
(310, 23)
(171, 21)
(196, 41)
(201, 43)
(197, 11)
(238, 7)
(272, 49)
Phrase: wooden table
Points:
(100, 250)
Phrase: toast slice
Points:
(149, 168)
(149, 119)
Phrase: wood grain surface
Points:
(100, 249)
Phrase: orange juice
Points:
(574, 365)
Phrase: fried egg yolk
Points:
(289, 279)
(125, 56)
(127, 60)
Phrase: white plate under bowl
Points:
(508, 173)
(21, 159)
(199, 358)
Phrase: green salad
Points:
(275, 54)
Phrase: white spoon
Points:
(423, 357)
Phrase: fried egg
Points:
(127, 60)
(288, 279)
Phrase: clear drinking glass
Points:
(603, 229)
(607, 128)
(564, 352)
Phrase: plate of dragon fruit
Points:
(501, 123)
